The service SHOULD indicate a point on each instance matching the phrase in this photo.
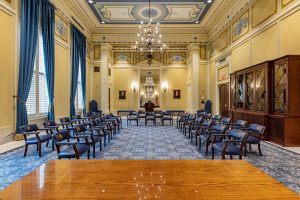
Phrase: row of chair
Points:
(218, 132)
(74, 136)
(150, 116)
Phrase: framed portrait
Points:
(176, 94)
(122, 94)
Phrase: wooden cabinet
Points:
(269, 94)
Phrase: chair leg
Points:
(231, 157)
(245, 152)
(223, 156)
(250, 147)
(89, 151)
(212, 153)
(52, 145)
(40, 149)
(199, 143)
(26, 148)
(47, 143)
(206, 150)
(94, 150)
(240, 156)
(100, 145)
(259, 150)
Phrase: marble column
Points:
(105, 53)
(194, 64)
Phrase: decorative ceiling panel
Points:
(135, 11)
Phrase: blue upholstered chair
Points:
(74, 148)
(216, 118)
(67, 123)
(167, 116)
(255, 136)
(232, 144)
(185, 128)
(239, 124)
(225, 121)
(35, 137)
(132, 116)
(93, 138)
(203, 126)
(180, 119)
(94, 107)
(195, 127)
(150, 116)
(207, 135)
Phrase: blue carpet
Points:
(156, 143)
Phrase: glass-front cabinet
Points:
(280, 88)
(249, 89)
(261, 89)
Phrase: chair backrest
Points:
(257, 128)
(49, 123)
(64, 119)
(198, 119)
(93, 106)
(238, 134)
(225, 120)
(206, 123)
(76, 117)
(29, 128)
(79, 128)
(61, 135)
(241, 123)
(207, 115)
(220, 127)
(216, 117)
(200, 113)
(150, 114)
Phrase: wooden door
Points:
(224, 99)
(109, 99)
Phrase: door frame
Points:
(218, 96)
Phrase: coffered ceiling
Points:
(135, 11)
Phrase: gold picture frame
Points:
(285, 3)
(237, 25)
(266, 18)
(61, 29)
(223, 36)
(223, 73)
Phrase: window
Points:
(38, 101)
(78, 97)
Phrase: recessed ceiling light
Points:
(208, 1)
(196, 22)
(91, 1)
(103, 22)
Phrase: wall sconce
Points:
(142, 93)
(134, 86)
(155, 93)
(164, 87)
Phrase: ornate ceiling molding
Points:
(77, 9)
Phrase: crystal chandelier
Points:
(149, 43)
(149, 81)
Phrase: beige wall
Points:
(203, 82)
(7, 71)
(177, 80)
(122, 79)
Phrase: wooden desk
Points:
(184, 180)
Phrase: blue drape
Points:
(48, 28)
(78, 58)
(29, 18)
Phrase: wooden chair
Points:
(132, 116)
(75, 148)
(150, 116)
(232, 144)
(37, 138)
(167, 116)
(255, 136)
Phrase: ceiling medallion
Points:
(149, 43)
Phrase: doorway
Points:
(224, 99)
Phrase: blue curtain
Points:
(78, 58)
(48, 28)
(29, 19)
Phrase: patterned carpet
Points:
(156, 143)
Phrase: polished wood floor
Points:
(184, 180)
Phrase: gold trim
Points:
(99, 50)
(232, 38)
(225, 40)
(284, 5)
(275, 11)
